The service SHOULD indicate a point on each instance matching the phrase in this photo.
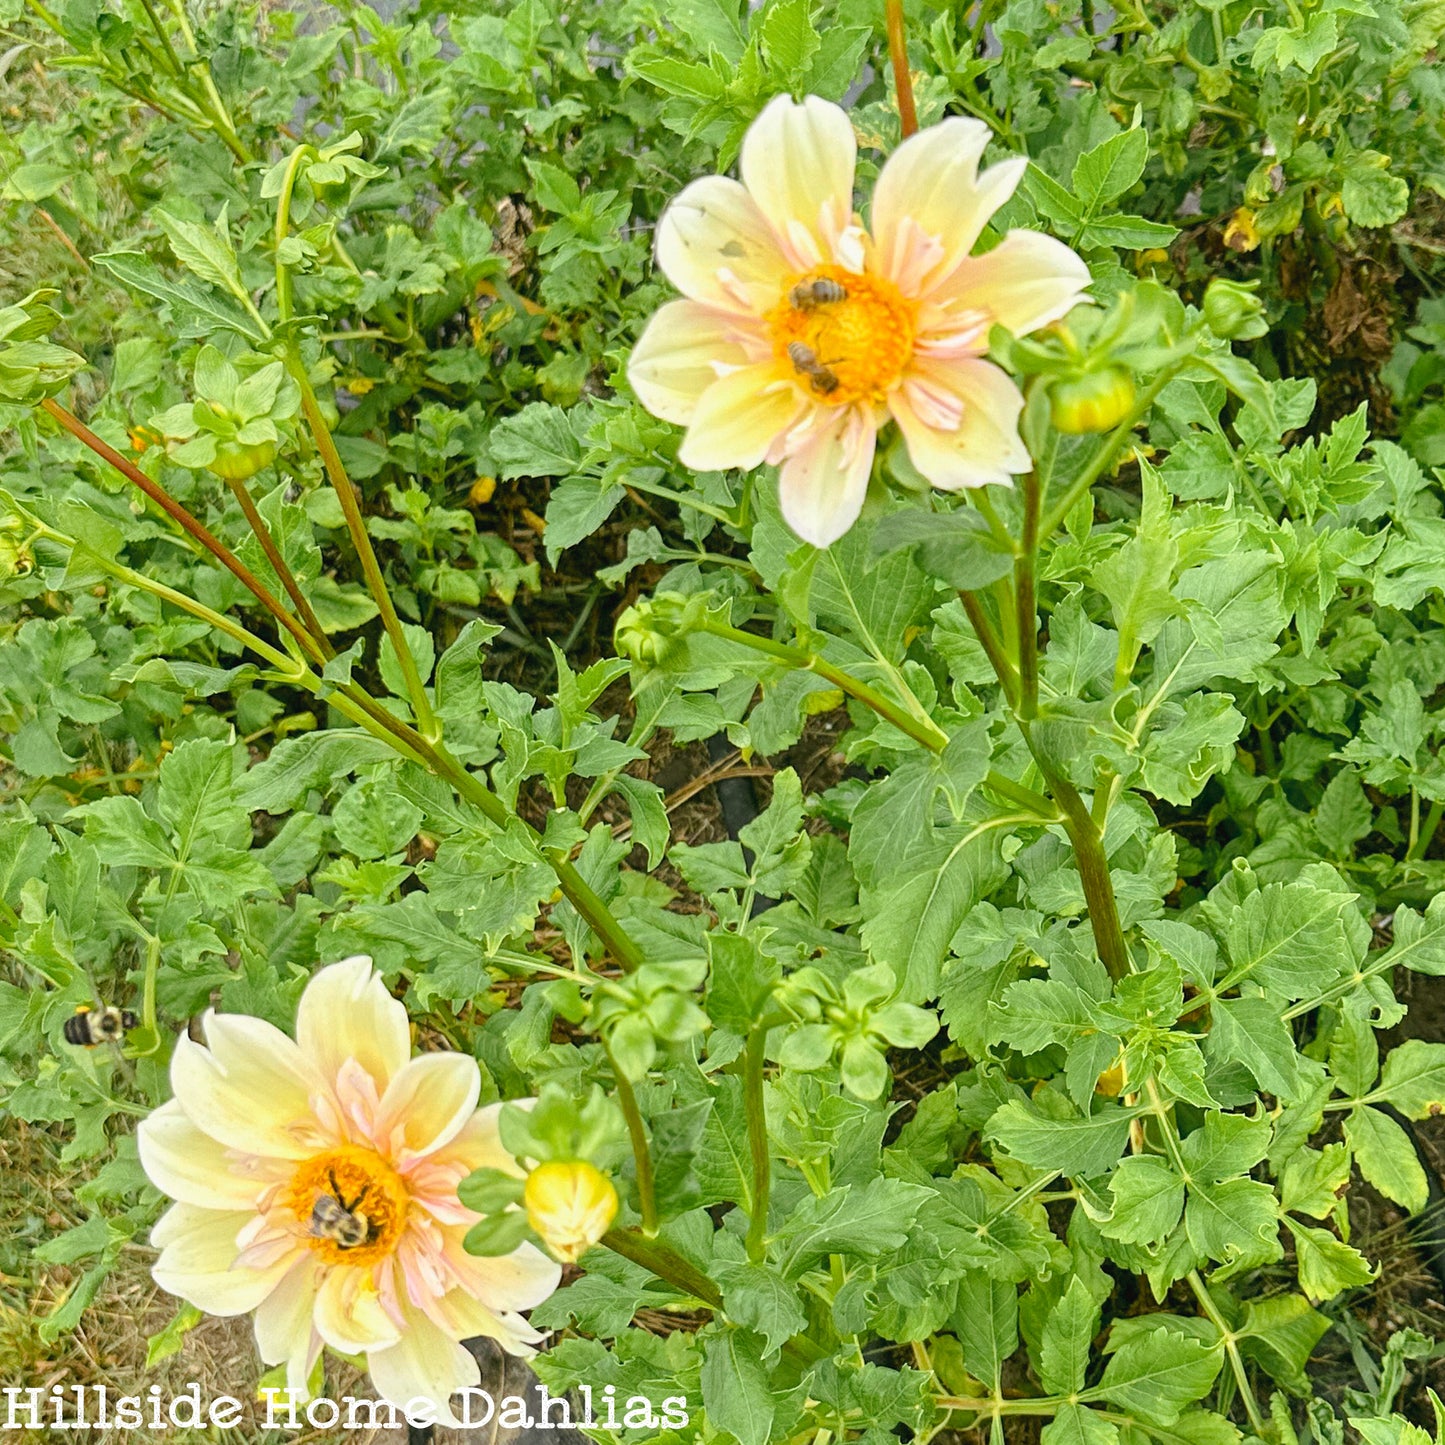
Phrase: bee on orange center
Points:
(805, 363)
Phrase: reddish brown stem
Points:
(898, 54)
(279, 566)
(187, 522)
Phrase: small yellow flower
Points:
(1241, 234)
(316, 1186)
(482, 491)
(803, 332)
(571, 1205)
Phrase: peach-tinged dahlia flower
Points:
(803, 332)
(262, 1127)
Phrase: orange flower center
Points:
(351, 1203)
(846, 337)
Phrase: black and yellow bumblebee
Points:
(334, 1219)
(90, 1027)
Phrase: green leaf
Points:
(735, 1386)
(198, 311)
(1252, 1032)
(1083, 1146)
(986, 1323)
(1371, 195)
(757, 1299)
(1148, 1200)
(911, 919)
(1068, 1332)
(297, 765)
(1075, 1425)
(1385, 1156)
(1413, 1079)
(1327, 1265)
(956, 547)
(789, 39)
(1108, 170)
(1236, 1222)
(1288, 937)
(1156, 1374)
(866, 1219)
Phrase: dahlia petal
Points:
(503, 1283)
(738, 417)
(249, 1089)
(716, 247)
(346, 1012)
(930, 188)
(283, 1322)
(797, 161)
(462, 1317)
(423, 1364)
(427, 1103)
(1025, 282)
(478, 1145)
(683, 350)
(824, 479)
(348, 1314)
(189, 1165)
(198, 1261)
(985, 447)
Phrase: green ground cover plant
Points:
(353, 583)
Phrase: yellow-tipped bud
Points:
(571, 1205)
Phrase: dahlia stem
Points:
(898, 55)
(641, 1153)
(754, 1105)
(1025, 565)
(992, 645)
(920, 728)
(371, 568)
(279, 565)
(187, 523)
(665, 1262)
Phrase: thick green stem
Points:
(1004, 669)
(665, 1262)
(641, 1153)
(757, 1117)
(283, 227)
(371, 568)
(1093, 865)
(1025, 605)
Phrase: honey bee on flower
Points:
(316, 1186)
(802, 332)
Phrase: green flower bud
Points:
(647, 631)
(236, 461)
(1091, 401)
(1232, 311)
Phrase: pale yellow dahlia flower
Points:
(803, 332)
(317, 1185)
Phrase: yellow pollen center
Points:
(351, 1203)
(844, 336)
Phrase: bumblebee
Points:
(334, 1219)
(805, 362)
(822, 292)
(88, 1027)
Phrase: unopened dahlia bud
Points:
(1232, 311)
(571, 1204)
(1092, 401)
